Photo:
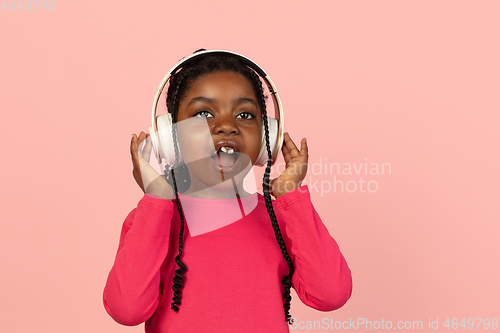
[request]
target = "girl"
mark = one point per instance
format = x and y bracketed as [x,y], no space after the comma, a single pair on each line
[236,278]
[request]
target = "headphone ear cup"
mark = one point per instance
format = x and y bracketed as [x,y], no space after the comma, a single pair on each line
[273,141]
[163,144]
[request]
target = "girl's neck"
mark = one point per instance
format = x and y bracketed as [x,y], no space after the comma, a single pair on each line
[229,191]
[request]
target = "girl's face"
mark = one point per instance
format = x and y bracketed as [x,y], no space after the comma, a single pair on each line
[226,102]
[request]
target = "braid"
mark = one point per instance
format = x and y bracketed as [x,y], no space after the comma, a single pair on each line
[179,273]
[286,281]
[179,84]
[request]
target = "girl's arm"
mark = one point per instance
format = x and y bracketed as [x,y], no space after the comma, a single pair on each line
[322,278]
[132,291]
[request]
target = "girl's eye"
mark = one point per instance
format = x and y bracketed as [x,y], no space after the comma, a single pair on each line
[206,113]
[247,115]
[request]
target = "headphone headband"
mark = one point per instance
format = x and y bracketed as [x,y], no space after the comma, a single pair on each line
[198,55]
[247,61]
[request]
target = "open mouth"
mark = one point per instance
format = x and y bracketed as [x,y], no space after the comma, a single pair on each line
[225,157]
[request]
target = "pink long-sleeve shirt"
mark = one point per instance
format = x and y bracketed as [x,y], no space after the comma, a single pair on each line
[233,278]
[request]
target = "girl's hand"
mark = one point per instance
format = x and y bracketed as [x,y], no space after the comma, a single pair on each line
[148,179]
[296,167]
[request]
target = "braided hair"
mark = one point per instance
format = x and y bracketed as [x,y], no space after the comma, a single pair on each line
[177,90]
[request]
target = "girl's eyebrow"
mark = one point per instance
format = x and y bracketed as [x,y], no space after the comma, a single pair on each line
[240,100]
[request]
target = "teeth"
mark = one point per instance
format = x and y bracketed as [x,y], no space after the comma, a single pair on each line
[227,150]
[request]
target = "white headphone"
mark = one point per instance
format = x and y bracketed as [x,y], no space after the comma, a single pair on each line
[163,144]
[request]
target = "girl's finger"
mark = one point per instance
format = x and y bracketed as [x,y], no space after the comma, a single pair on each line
[147,148]
[142,149]
[140,142]
[133,150]
[303,148]
[286,152]
[292,148]
[148,139]
[135,146]
[148,143]
[132,143]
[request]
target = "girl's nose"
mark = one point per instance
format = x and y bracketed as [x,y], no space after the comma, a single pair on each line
[225,124]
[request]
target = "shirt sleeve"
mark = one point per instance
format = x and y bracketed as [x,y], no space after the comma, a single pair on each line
[132,290]
[322,278]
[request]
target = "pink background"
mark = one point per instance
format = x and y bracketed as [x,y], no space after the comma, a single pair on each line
[410,83]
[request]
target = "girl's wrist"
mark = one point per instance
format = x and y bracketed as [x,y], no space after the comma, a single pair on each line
[167,195]
[287,188]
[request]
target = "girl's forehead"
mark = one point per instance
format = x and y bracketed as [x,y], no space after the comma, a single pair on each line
[222,79]
[220,87]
